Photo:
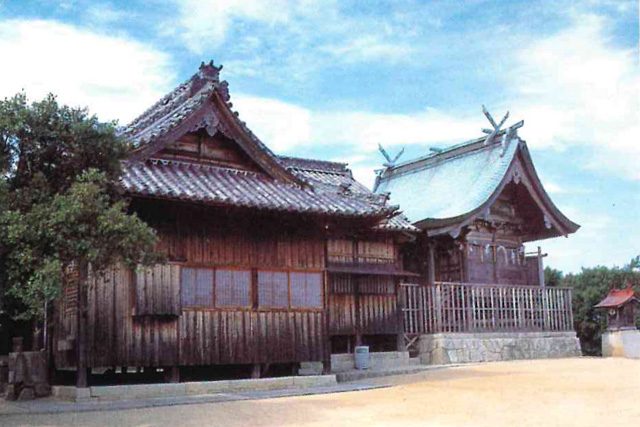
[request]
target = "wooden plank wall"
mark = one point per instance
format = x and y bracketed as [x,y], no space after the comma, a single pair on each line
[197,242]
[377,305]
[227,337]
[157,290]
[135,318]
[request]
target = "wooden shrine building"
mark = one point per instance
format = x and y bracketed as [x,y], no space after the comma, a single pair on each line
[476,204]
[271,260]
[277,260]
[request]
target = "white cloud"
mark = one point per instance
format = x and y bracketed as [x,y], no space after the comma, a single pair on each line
[369,47]
[577,88]
[278,124]
[285,126]
[206,22]
[117,78]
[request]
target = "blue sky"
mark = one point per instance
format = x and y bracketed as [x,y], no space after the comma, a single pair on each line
[332,79]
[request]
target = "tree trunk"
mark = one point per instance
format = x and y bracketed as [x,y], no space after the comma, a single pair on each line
[81,334]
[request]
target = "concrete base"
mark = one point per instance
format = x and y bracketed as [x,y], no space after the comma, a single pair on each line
[621,343]
[146,391]
[310,368]
[443,349]
[344,362]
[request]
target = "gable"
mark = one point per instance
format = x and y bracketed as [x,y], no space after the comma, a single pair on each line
[201,104]
[200,147]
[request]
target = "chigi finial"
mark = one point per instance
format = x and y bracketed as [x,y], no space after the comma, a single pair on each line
[390,162]
[496,127]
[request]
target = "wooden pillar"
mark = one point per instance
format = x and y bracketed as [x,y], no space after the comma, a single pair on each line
[356,293]
[255,370]
[540,268]
[400,304]
[327,312]
[465,262]
[431,264]
[172,374]
[81,330]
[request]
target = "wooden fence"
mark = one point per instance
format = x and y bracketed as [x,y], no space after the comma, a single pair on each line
[464,307]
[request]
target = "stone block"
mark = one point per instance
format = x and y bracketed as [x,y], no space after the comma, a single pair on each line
[138,391]
[207,387]
[311,368]
[315,381]
[621,343]
[261,384]
[480,347]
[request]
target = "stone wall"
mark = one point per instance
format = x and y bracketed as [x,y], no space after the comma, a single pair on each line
[442,349]
[623,342]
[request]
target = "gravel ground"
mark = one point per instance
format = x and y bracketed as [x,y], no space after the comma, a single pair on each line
[562,392]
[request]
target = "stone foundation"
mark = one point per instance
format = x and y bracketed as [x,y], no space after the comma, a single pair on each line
[344,362]
[621,343]
[443,349]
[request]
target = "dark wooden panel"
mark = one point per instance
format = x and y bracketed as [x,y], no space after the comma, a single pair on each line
[226,337]
[157,291]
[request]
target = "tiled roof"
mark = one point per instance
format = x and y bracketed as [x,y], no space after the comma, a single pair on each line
[324,173]
[617,297]
[171,110]
[338,177]
[284,183]
[223,186]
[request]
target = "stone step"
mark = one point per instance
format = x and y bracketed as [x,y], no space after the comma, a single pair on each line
[376,373]
[310,368]
[378,360]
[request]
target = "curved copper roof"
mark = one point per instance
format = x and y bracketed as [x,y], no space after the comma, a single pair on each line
[452,187]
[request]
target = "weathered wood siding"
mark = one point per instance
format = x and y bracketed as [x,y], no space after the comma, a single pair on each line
[375,308]
[227,337]
[135,318]
[157,291]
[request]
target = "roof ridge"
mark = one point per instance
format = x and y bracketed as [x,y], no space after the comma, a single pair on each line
[462,145]
[204,166]
[206,72]
[318,165]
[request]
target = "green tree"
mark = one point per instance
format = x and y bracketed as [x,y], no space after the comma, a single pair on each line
[589,287]
[553,277]
[61,207]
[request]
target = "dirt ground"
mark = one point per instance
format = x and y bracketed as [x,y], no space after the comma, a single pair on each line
[566,392]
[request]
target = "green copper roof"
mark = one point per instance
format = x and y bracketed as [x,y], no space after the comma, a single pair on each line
[448,184]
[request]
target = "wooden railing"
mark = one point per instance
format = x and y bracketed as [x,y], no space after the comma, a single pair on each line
[463,307]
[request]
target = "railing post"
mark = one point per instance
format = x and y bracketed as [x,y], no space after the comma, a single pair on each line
[438,306]
[545,310]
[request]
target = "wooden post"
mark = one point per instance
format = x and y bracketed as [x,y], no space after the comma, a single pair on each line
[172,374]
[81,331]
[540,268]
[356,293]
[255,370]
[431,264]
[400,304]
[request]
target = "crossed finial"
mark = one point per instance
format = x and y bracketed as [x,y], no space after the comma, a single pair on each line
[390,162]
[496,127]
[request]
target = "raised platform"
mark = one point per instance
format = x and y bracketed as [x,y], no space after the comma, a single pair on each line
[145,391]
[447,348]
[624,342]
[344,362]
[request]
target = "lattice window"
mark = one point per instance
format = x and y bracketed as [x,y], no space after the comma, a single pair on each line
[196,288]
[306,290]
[233,288]
[273,289]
